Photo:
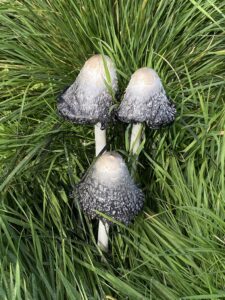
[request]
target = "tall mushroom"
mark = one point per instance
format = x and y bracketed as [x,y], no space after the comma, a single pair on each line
[108,188]
[145,100]
[88,101]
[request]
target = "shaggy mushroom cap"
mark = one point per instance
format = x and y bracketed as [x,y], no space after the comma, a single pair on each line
[108,188]
[145,100]
[87,100]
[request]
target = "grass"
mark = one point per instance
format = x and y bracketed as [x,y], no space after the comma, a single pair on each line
[175,248]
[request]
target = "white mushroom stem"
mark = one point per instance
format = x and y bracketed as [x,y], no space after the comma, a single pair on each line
[100,139]
[103,236]
[135,139]
[103,229]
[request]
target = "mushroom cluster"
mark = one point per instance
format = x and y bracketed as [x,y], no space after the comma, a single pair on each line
[107,188]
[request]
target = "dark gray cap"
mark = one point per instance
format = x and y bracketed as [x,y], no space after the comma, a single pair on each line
[109,189]
[88,100]
[145,100]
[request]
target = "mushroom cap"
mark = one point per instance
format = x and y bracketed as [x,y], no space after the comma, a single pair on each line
[108,188]
[145,100]
[88,100]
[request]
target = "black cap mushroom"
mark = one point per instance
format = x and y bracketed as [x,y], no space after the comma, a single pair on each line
[145,100]
[88,99]
[109,189]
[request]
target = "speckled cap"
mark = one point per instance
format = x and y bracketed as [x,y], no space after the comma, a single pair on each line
[145,100]
[87,100]
[109,189]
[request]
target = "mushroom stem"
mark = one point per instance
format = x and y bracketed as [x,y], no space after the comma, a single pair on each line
[100,139]
[135,139]
[103,229]
[103,236]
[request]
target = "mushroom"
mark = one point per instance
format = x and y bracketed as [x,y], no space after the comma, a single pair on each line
[88,101]
[145,100]
[108,188]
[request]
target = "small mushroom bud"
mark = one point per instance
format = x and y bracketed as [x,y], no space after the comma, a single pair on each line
[145,100]
[109,189]
[88,100]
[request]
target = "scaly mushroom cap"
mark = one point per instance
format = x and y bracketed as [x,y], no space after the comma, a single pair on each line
[87,100]
[109,189]
[145,100]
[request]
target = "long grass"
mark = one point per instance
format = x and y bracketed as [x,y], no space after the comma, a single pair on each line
[175,247]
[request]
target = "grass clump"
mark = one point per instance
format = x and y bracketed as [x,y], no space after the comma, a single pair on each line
[175,248]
